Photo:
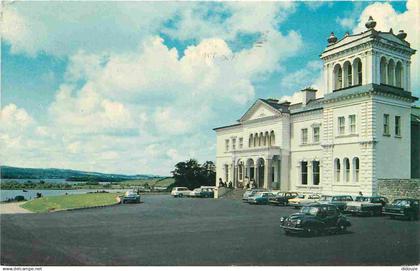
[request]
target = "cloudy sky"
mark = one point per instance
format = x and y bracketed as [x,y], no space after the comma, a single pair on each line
[134,87]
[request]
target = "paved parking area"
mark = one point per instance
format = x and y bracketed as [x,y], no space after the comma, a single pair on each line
[185,231]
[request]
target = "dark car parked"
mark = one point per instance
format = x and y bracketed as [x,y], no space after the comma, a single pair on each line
[314,219]
[366,205]
[339,201]
[130,197]
[282,198]
[405,208]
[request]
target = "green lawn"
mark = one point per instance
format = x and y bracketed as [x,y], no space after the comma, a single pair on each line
[45,204]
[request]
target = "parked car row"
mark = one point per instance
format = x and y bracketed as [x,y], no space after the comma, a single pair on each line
[201,192]
[361,205]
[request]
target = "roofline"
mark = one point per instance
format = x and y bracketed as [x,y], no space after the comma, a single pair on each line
[227,126]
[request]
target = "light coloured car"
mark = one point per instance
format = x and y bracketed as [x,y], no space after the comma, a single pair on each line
[195,193]
[250,192]
[304,199]
[260,198]
[179,192]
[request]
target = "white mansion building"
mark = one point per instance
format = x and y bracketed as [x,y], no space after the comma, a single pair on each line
[357,133]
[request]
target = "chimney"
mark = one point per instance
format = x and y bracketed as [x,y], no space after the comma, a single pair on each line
[307,95]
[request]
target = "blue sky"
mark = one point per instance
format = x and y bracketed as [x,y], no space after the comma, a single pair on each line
[134,87]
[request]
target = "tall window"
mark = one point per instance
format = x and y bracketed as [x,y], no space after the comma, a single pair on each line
[316,134]
[233,143]
[341,125]
[251,141]
[346,169]
[338,77]
[397,125]
[304,136]
[386,124]
[348,74]
[241,142]
[398,74]
[337,168]
[383,70]
[240,171]
[358,75]
[227,144]
[255,140]
[315,172]
[304,171]
[356,169]
[352,119]
[391,72]
[226,173]
[272,139]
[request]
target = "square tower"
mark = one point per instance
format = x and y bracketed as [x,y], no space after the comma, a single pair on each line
[368,57]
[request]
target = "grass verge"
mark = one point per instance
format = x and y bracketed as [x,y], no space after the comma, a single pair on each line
[62,202]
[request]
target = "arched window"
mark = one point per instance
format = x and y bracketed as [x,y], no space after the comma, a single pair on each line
[337,169]
[272,139]
[260,139]
[398,75]
[383,70]
[357,71]
[391,72]
[266,139]
[251,141]
[348,75]
[355,169]
[346,169]
[338,77]
[255,140]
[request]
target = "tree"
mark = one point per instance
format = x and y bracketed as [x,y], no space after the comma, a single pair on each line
[192,175]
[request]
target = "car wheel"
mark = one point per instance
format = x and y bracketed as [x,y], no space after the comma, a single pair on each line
[342,228]
[287,232]
[312,231]
[180,195]
[371,213]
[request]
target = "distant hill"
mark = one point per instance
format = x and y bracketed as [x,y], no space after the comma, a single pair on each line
[7,172]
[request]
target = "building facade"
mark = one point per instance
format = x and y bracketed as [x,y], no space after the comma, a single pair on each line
[357,133]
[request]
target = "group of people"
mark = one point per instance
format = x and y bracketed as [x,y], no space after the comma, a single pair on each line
[248,183]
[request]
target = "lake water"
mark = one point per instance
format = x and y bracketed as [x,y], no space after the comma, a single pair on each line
[31,194]
[45,180]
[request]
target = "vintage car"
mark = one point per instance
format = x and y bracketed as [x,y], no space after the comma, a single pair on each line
[202,192]
[250,192]
[314,219]
[179,192]
[302,200]
[260,198]
[282,198]
[339,201]
[130,197]
[366,205]
[405,208]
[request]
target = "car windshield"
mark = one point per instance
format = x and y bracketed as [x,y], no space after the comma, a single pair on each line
[362,199]
[326,198]
[401,202]
[309,210]
[258,194]
[281,194]
[301,196]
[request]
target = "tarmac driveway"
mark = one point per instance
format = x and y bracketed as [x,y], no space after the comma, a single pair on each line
[184,231]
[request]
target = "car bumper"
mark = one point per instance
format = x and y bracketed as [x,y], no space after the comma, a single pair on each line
[292,229]
[394,214]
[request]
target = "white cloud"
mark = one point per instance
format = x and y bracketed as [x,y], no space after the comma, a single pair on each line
[132,104]
[13,118]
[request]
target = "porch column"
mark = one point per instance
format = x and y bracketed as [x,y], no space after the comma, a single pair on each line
[256,174]
[267,173]
[285,184]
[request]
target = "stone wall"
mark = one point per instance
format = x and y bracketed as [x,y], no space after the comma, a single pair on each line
[399,188]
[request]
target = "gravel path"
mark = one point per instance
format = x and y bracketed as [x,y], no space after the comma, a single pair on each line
[13,208]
